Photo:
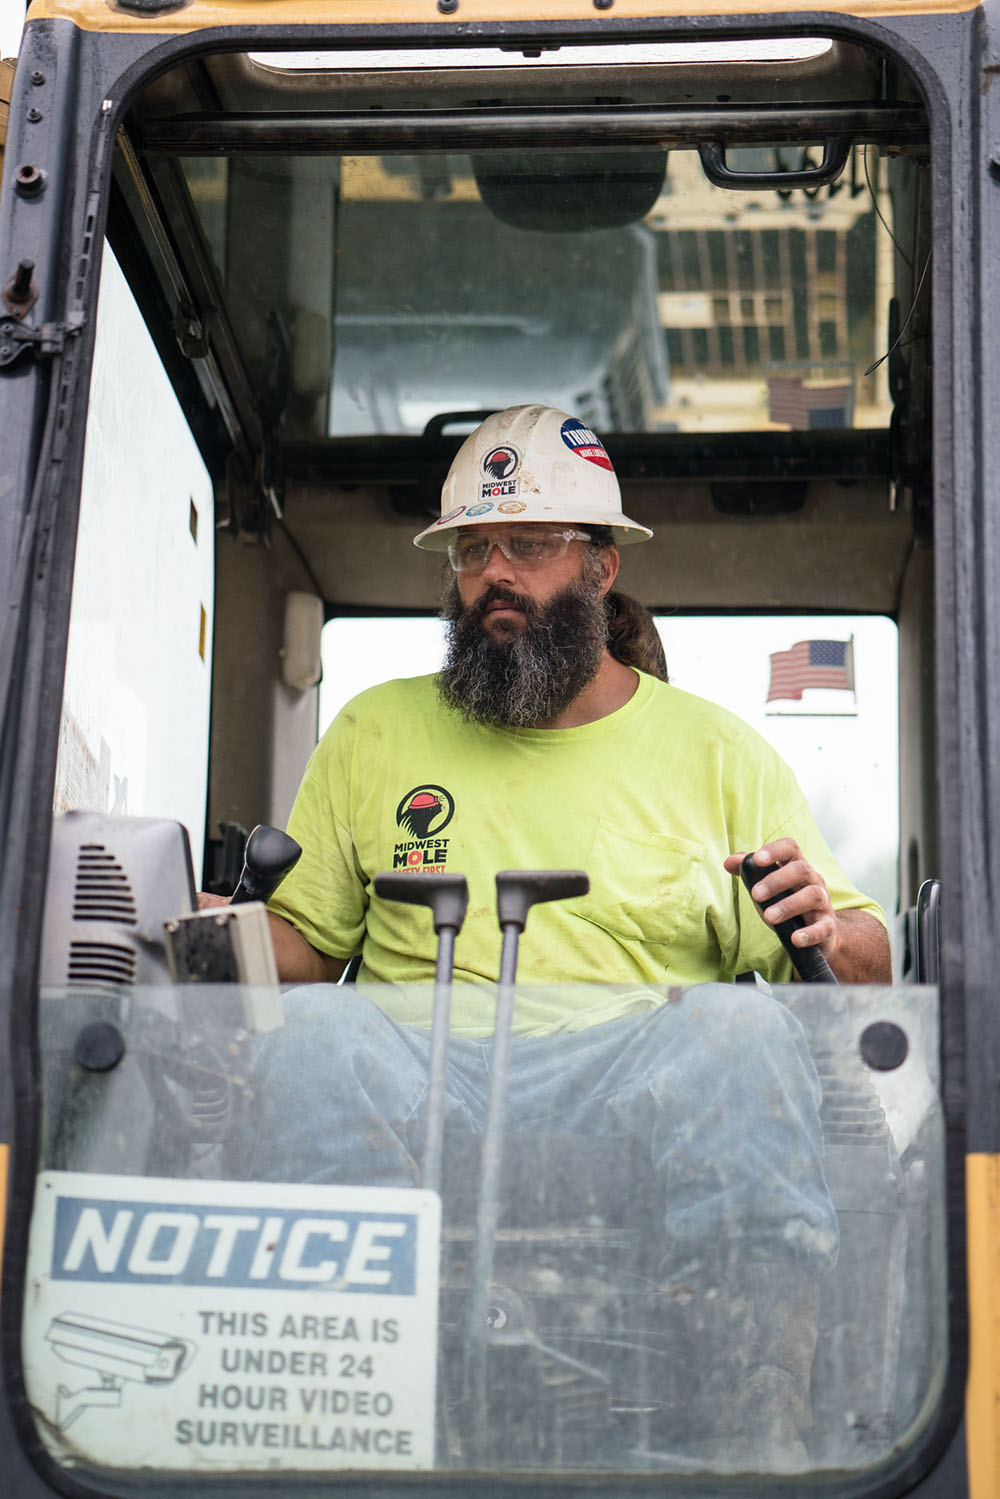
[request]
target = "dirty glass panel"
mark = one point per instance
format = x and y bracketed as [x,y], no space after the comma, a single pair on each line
[373,294]
[145,555]
[773,303]
[232,1276]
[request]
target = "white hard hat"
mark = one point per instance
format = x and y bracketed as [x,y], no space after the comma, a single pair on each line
[531,463]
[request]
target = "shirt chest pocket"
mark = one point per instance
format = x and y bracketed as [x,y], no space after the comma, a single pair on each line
[642,885]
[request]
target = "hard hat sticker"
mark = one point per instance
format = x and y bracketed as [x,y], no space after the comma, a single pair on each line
[501,463]
[452,515]
[584,443]
[512,507]
[496,490]
[499,467]
[483,509]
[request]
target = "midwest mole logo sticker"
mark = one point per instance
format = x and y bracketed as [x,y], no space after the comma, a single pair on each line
[424,813]
[500,463]
[499,467]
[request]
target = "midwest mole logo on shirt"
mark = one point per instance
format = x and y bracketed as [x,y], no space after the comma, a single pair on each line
[424,813]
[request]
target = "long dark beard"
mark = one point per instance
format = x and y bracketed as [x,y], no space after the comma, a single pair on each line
[529,676]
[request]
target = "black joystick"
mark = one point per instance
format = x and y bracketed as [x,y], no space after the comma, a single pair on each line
[268,857]
[810,964]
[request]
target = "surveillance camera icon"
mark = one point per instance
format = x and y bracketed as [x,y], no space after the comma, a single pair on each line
[116,1353]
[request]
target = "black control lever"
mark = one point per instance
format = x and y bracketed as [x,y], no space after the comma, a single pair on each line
[809,962]
[517,891]
[448,897]
[520,889]
[268,857]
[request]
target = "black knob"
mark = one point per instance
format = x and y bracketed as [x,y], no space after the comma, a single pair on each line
[269,855]
[520,889]
[99,1046]
[810,964]
[446,894]
[884,1045]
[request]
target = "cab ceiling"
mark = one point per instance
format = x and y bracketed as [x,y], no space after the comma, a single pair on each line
[238,82]
[843,549]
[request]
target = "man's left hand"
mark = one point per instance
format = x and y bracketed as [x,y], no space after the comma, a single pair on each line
[854,943]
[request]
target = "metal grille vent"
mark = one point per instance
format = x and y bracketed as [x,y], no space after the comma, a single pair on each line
[850,1110]
[97,964]
[103,891]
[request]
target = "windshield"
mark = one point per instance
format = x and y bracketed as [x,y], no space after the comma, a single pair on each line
[210,1297]
[380,294]
[486,1227]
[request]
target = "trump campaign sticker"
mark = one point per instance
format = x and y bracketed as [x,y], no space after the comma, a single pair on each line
[584,443]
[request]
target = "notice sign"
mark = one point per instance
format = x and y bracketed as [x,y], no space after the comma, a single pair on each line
[225,1326]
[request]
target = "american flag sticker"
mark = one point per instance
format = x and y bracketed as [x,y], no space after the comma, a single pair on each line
[811,663]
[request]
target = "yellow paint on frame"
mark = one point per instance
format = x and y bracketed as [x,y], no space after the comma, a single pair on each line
[104,15]
[982,1404]
[6,85]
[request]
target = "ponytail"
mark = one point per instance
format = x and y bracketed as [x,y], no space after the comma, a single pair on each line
[633,638]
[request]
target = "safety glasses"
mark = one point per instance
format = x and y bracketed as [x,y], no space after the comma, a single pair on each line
[528,548]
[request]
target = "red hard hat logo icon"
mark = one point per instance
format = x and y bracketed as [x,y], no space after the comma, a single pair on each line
[425,811]
[500,463]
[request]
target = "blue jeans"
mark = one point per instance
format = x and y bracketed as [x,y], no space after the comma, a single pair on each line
[718,1085]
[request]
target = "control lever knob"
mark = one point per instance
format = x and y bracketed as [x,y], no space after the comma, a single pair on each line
[520,889]
[809,962]
[268,857]
[446,894]
[448,897]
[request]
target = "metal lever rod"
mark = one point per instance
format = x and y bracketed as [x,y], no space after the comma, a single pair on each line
[517,891]
[269,855]
[448,897]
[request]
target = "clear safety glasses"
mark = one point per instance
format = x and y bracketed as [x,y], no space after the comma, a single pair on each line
[527,548]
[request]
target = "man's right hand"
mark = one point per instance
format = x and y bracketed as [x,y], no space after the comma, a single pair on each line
[854,943]
[206,901]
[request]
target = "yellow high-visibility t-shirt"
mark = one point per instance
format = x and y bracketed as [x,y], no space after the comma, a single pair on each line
[648,800]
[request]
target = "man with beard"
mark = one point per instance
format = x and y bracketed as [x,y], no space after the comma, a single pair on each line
[537,747]
[540,745]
